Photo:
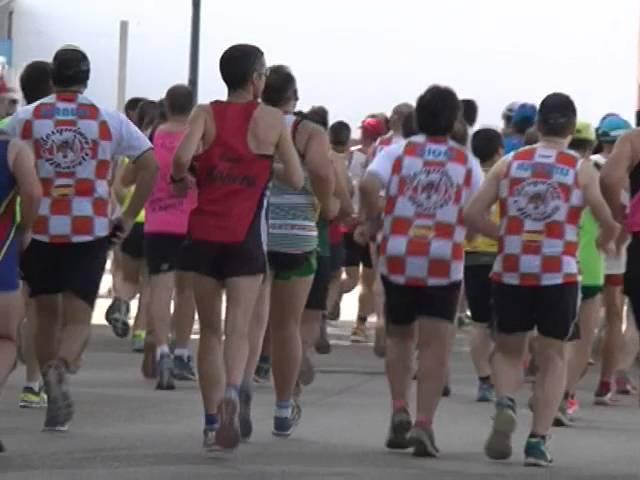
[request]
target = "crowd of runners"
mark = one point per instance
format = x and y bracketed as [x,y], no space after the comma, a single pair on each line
[527,229]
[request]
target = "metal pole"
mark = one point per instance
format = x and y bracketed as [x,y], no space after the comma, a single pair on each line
[122,64]
[194,55]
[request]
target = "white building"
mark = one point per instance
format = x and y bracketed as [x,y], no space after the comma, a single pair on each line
[356,57]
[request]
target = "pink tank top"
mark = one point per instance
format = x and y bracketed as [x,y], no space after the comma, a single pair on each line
[166,213]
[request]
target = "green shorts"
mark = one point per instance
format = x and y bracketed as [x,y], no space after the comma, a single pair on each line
[287,266]
[590,291]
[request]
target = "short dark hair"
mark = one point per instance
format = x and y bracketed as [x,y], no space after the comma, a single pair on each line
[340,134]
[409,128]
[132,105]
[147,114]
[437,110]
[486,143]
[238,64]
[280,87]
[469,111]
[318,115]
[179,100]
[70,67]
[557,116]
[35,81]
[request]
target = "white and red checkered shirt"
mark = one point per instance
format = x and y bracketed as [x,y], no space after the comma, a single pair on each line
[541,204]
[75,143]
[428,182]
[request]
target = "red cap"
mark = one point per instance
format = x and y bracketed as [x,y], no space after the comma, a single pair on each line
[373,128]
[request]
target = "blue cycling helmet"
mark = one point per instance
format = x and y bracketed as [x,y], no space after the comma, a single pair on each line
[611,128]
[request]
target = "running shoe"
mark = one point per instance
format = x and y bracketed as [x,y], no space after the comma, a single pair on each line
[165,373]
[283,427]
[379,342]
[498,445]
[397,439]
[604,395]
[359,334]
[423,442]
[562,416]
[446,391]
[536,454]
[117,316]
[262,373]
[307,373]
[573,406]
[31,398]
[183,368]
[322,345]
[244,415]
[59,403]
[228,434]
[486,393]
[624,385]
[137,341]
[209,440]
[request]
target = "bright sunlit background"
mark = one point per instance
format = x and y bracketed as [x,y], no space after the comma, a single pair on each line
[357,56]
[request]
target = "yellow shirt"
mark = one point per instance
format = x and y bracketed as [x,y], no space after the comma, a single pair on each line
[484,244]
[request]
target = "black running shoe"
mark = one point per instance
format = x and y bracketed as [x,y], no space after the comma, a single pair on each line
[59,403]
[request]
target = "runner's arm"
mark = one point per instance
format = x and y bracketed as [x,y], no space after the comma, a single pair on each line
[609,228]
[190,143]
[477,212]
[615,173]
[292,174]
[23,167]
[321,172]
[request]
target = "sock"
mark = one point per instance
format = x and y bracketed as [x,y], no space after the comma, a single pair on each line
[182,352]
[486,379]
[33,385]
[162,349]
[399,405]
[362,320]
[265,360]
[211,421]
[537,436]
[283,409]
[232,391]
[423,422]
[507,401]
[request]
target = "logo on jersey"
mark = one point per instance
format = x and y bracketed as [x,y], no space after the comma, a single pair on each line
[430,189]
[538,200]
[65,148]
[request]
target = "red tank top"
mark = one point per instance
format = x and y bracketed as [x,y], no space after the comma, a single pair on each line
[231,179]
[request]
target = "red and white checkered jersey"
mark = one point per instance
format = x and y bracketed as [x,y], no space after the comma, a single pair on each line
[541,204]
[428,182]
[75,143]
[382,143]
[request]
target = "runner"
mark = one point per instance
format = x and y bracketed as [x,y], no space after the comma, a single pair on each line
[610,129]
[358,263]
[542,190]
[239,138]
[487,146]
[507,118]
[35,83]
[293,243]
[64,263]
[591,265]
[621,170]
[421,258]
[524,117]
[17,178]
[165,231]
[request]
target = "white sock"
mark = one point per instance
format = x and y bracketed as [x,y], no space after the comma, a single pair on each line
[161,350]
[182,352]
[34,385]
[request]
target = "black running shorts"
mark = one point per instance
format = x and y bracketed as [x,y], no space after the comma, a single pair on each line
[53,268]
[319,292]
[356,254]
[163,252]
[133,244]
[404,305]
[478,289]
[551,309]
